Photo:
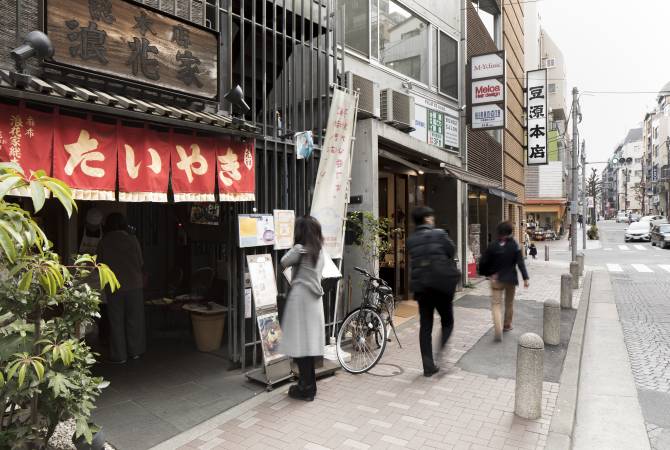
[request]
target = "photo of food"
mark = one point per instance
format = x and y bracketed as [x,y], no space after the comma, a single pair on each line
[270,331]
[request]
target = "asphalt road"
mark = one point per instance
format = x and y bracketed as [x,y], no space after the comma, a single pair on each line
[640,276]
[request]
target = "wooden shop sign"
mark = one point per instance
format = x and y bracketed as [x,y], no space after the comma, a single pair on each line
[128,40]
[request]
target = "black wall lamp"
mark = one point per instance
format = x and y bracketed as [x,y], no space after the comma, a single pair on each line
[35,44]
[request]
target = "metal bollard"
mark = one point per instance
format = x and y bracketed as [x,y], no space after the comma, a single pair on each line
[566,291]
[551,328]
[529,376]
[574,271]
[546,252]
[580,261]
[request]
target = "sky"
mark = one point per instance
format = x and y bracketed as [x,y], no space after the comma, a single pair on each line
[610,46]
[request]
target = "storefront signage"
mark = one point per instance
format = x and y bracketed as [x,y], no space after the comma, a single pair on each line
[331,190]
[256,230]
[128,40]
[420,125]
[263,282]
[536,113]
[488,117]
[424,110]
[284,226]
[487,91]
[451,130]
[436,128]
[93,158]
[489,65]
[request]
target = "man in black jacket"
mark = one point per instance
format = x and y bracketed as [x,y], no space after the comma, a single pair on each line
[499,263]
[434,280]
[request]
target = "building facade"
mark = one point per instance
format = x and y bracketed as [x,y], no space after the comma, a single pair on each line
[656,141]
[625,190]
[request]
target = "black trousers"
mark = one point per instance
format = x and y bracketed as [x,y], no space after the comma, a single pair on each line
[429,301]
[307,379]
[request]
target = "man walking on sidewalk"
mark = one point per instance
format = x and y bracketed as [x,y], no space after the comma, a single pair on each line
[499,263]
[434,280]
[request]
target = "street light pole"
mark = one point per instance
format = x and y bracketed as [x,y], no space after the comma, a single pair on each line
[573,170]
[584,208]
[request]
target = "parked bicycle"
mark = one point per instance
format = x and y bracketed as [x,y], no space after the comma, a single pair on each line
[362,338]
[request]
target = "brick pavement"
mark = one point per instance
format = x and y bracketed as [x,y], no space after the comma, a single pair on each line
[394,406]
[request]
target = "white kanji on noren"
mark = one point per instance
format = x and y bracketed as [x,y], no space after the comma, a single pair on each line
[156,163]
[195,163]
[229,168]
[82,153]
[132,168]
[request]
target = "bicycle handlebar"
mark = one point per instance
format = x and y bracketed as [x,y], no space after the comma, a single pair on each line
[367,274]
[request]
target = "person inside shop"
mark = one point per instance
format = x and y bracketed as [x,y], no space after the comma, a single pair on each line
[121,251]
[303,324]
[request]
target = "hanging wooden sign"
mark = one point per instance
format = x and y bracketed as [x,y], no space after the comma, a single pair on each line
[128,40]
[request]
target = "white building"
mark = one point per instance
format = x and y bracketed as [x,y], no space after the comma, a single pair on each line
[628,172]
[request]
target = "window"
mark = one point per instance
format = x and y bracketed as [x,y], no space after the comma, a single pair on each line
[550,63]
[403,40]
[551,88]
[357,25]
[448,65]
[487,12]
[638,160]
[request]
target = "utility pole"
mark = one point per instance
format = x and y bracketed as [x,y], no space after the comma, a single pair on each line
[573,170]
[584,207]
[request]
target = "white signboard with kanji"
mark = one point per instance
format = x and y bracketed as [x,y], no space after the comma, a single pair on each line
[536,111]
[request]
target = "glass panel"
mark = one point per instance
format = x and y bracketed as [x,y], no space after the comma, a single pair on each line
[374,32]
[435,62]
[448,65]
[357,23]
[403,41]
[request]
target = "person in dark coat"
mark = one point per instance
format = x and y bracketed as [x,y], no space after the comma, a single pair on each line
[303,325]
[533,251]
[499,263]
[433,280]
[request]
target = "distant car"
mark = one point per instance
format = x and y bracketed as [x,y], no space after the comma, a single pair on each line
[660,235]
[650,218]
[539,235]
[638,231]
[622,217]
[659,221]
[634,217]
[550,235]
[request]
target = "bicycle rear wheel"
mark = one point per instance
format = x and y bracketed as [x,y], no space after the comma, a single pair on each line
[361,340]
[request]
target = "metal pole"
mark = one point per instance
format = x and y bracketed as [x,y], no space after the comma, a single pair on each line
[463,143]
[584,209]
[573,170]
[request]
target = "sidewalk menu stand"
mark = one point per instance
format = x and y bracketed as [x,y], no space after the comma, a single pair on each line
[276,367]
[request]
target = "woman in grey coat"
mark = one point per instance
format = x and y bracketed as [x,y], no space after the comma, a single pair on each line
[303,327]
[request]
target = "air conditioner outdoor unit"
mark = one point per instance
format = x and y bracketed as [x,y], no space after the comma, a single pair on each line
[397,109]
[368,94]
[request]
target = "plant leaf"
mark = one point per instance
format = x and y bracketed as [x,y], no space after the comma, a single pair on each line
[8,183]
[62,193]
[22,374]
[7,244]
[37,195]
[39,369]
[26,280]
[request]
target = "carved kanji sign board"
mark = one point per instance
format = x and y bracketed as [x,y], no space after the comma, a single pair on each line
[128,40]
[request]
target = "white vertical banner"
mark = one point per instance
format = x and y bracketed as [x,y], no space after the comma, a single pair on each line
[536,111]
[331,190]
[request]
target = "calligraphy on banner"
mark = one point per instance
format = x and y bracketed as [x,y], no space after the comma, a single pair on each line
[144,165]
[235,169]
[26,138]
[193,168]
[536,104]
[331,190]
[128,40]
[85,157]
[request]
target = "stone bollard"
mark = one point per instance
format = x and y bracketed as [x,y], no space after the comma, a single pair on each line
[529,376]
[546,252]
[580,261]
[551,328]
[574,271]
[566,291]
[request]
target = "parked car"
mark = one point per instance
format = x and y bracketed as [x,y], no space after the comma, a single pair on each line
[650,218]
[638,231]
[538,235]
[622,217]
[634,217]
[660,235]
[659,221]
[550,235]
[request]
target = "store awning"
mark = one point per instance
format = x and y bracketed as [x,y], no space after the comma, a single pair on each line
[471,178]
[507,195]
[101,102]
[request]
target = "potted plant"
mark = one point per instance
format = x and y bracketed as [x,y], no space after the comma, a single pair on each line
[45,366]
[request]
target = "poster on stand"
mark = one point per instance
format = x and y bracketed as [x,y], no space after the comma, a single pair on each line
[284,226]
[270,333]
[263,283]
[256,230]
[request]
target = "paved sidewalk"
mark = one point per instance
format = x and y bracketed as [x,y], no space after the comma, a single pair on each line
[395,406]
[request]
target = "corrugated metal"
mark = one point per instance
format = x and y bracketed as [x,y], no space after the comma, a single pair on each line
[551,180]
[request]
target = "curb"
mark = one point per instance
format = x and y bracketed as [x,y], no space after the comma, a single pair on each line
[563,421]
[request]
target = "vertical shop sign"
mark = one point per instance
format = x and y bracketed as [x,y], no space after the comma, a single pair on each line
[487,91]
[435,128]
[26,138]
[450,131]
[331,190]
[536,112]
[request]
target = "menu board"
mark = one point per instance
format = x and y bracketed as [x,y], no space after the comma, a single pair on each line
[284,225]
[270,332]
[263,283]
[256,230]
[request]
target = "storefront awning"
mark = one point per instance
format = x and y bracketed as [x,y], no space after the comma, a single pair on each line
[98,101]
[471,178]
[507,195]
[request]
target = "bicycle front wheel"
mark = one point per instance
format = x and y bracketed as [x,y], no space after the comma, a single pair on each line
[361,340]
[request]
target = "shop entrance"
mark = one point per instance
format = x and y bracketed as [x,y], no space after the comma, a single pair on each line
[398,194]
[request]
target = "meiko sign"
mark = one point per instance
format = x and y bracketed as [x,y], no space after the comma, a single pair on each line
[487,91]
[489,65]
